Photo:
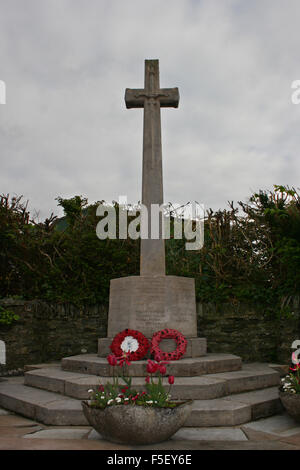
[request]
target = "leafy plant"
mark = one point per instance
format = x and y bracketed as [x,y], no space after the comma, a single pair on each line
[7,317]
[251,253]
[117,393]
[291,382]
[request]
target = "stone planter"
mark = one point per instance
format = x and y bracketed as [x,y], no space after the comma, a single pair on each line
[291,403]
[133,424]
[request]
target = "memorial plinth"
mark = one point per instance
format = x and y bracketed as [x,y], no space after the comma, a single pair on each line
[150,304]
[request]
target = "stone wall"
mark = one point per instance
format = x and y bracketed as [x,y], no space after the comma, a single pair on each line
[48,332]
[251,333]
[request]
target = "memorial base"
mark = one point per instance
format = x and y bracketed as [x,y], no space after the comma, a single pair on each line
[152,303]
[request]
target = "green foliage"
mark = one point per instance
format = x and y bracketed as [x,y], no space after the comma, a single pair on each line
[251,253]
[7,317]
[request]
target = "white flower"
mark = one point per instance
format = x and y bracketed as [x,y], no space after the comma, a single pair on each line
[150,401]
[118,399]
[90,390]
[102,397]
[129,344]
[126,399]
[110,401]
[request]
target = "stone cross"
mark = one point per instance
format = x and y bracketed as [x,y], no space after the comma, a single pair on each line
[152,98]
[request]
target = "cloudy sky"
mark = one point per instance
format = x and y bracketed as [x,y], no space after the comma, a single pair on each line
[65,130]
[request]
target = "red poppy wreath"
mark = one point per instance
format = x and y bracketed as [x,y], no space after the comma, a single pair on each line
[168,333]
[131,342]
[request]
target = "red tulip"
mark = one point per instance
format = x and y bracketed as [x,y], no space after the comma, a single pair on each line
[162,369]
[147,379]
[171,379]
[157,357]
[112,360]
[151,367]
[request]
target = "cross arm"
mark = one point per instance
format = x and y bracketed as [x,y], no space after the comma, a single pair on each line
[168,97]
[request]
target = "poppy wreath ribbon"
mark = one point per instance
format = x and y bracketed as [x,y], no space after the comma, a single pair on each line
[131,342]
[168,333]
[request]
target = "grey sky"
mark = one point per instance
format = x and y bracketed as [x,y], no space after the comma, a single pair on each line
[65,129]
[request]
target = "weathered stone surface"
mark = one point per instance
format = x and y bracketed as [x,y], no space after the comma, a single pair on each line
[203,387]
[137,424]
[63,330]
[75,386]
[55,409]
[218,412]
[40,405]
[152,303]
[248,331]
[46,332]
[263,402]
[151,98]
[53,379]
[209,434]
[196,347]
[282,369]
[281,425]
[291,403]
[250,377]
[211,363]
[29,367]
[70,433]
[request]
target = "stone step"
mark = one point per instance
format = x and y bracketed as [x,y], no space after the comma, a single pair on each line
[40,405]
[235,409]
[91,364]
[55,409]
[204,387]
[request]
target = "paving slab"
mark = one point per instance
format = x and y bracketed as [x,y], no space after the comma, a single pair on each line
[281,425]
[253,435]
[19,443]
[210,434]
[18,431]
[196,434]
[66,433]
[13,420]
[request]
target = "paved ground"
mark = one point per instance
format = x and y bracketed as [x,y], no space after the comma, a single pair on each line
[276,433]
